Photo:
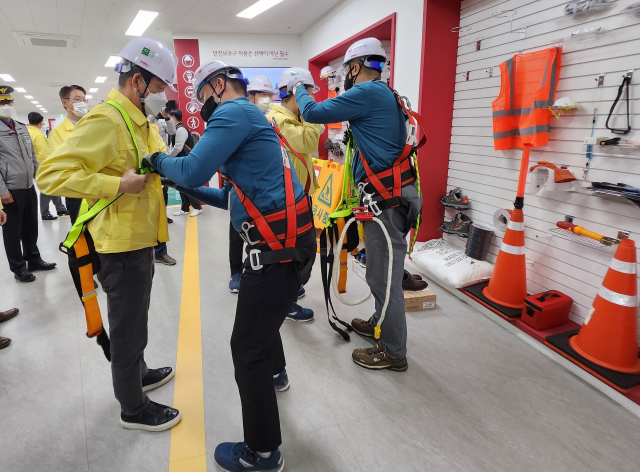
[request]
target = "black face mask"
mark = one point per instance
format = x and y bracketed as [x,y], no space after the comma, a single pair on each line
[350,79]
[208,108]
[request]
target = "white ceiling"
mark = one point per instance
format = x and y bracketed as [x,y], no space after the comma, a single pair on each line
[101,25]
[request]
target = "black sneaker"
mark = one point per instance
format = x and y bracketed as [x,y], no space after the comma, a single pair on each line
[157,378]
[49,217]
[455,199]
[458,225]
[41,265]
[64,212]
[155,417]
[169,220]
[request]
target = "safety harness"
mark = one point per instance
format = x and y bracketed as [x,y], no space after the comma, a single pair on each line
[278,229]
[83,258]
[379,191]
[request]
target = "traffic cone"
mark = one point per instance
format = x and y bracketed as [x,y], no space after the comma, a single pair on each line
[609,335]
[508,283]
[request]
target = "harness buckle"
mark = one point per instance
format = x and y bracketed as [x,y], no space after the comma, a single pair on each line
[254,259]
[362,214]
[374,207]
[246,227]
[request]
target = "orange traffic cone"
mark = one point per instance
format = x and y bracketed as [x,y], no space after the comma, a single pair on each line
[609,335]
[508,284]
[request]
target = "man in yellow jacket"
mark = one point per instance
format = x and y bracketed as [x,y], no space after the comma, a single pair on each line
[100,160]
[74,102]
[303,137]
[42,148]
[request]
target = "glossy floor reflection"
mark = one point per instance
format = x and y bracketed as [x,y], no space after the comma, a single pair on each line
[475,397]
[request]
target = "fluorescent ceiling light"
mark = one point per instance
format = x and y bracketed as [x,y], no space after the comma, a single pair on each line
[88,97]
[93,90]
[6,78]
[20,89]
[34,102]
[112,61]
[257,8]
[100,79]
[45,111]
[28,97]
[141,22]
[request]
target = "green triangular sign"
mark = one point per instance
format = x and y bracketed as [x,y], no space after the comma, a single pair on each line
[326,192]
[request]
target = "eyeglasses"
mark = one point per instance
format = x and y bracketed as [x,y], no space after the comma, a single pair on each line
[77,100]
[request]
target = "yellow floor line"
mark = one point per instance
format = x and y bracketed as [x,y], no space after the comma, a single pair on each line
[188,448]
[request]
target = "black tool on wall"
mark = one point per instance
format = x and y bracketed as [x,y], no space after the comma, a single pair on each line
[625,81]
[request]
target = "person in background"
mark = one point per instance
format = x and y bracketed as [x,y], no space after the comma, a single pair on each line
[160,250]
[303,137]
[380,134]
[5,315]
[161,126]
[74,102]
[42,148]
[99,161]
[18,167]
[260,92]
[181,144]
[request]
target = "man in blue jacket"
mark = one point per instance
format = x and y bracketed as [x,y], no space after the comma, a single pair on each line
[241,143]
[379,130]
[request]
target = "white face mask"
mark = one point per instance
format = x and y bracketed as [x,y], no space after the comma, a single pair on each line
[80,109]
[154,102]
[263,104]
[6,111]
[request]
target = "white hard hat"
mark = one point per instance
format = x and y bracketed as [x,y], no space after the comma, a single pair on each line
[365,49]
[262,83]
[566,103]
[152,55]
[327,71]
[211,69]
[292,76]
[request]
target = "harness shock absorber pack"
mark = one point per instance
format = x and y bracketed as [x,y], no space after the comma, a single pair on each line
[83,258]
[379,191]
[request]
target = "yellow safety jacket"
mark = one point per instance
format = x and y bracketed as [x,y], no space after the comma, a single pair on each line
[60,133]
[40,143]
[303,137]
[89,165]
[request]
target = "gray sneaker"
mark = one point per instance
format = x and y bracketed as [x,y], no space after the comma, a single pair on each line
[455,199]
[458,225]
[166,260]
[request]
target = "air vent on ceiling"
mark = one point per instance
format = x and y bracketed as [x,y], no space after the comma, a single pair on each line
[47,40]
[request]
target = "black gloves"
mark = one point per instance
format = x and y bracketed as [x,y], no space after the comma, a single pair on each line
[167,182]
[147,163]
[348,136]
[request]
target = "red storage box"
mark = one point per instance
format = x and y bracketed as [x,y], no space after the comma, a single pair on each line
[546,310]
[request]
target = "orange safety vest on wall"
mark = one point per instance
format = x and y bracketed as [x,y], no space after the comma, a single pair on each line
[521,114]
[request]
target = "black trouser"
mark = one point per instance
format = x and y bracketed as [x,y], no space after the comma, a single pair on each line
[265,297]
[73,207]
[236,244]
[20,232]
[45,201]
[161,248]
[126,278]
[188,201]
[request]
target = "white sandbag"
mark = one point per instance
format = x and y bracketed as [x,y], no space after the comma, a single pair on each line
[449,264]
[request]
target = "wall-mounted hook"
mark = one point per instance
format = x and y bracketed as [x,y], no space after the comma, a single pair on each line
[490,71]
[629,74]
[462,29]
[506,14]
[600,79]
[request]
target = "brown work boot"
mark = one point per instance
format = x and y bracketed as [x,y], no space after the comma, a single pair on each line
[362,327]
[377,358]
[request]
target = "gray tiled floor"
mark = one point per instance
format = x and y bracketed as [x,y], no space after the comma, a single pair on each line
[475,397]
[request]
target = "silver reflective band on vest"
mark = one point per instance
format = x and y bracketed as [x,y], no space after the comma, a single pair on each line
[537,105]
[515,250]
[512,225]
[618,298]
[522,132]
[623,267]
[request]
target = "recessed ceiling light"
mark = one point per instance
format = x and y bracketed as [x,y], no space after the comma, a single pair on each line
[28,97]
[257,8]
[100,80]
[88,96]
[112,61]
[34,102]
[6,78]
[20,89]
[45,111]
[141,22]
[93,90]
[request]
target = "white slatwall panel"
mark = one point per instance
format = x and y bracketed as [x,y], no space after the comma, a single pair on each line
[490,177]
